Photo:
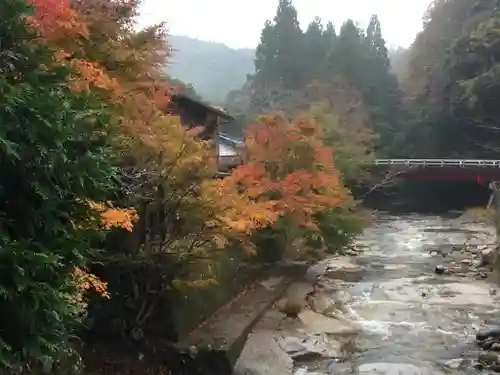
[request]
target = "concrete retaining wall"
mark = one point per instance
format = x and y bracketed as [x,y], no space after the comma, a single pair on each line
[495,203]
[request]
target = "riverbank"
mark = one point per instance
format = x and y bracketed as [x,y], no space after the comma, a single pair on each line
[387,311]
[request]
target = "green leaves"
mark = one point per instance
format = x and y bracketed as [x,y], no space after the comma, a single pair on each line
[54,155]
[453,81]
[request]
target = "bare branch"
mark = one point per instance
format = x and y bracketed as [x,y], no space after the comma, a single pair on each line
[388,178]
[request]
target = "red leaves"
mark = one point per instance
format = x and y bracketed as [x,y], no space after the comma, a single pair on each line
[48,10]
[288,165]
[57,20]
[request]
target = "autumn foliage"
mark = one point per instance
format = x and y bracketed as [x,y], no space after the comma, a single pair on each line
[289,171]
[133,207]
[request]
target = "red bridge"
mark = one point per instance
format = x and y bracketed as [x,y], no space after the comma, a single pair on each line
[481,171]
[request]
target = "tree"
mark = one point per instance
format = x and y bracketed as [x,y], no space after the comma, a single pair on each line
[349,57]
[278,57]
[315,48]
[166,173]
[330,34]
[376,42]
[362,59]
[288,168]
[55,156]
[338,107]
[456,46]
[163,167]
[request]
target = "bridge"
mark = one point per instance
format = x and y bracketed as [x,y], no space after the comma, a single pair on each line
[479,170]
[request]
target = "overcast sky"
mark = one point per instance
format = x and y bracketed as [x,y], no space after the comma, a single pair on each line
[238,23]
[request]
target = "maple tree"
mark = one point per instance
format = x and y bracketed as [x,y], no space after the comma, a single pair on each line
[291,172]
[170,163]
[166,171]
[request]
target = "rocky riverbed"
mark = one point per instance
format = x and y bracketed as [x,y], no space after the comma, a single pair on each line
[410,303]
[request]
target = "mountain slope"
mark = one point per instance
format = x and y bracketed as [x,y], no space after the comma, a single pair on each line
[213,69]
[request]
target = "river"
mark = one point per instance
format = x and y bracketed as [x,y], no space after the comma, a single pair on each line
[408,320]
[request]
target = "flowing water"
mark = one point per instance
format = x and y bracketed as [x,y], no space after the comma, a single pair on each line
[413,321]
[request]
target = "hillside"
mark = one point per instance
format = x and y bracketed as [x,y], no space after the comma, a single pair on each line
[212,68]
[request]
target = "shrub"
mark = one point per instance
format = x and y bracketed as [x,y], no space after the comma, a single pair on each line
[53,159]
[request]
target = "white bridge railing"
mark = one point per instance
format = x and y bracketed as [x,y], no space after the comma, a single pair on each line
[439,162]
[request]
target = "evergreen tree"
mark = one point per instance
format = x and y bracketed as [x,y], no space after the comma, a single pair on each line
[286,59]
[266,64]
[452,81]
[377,43]
[383,87]
[349,56]
[279,58]
[53,159]
[315,49]
[330,33]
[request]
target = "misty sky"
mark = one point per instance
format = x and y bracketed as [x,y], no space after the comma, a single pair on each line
[238,23]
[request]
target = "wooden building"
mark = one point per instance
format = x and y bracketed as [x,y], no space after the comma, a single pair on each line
[194,113]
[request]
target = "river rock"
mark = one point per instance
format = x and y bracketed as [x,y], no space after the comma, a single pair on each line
[314,323]
[331,303]
[495,368]
[440,269]
[394,369]
[262,355]
[489,358]
[488,343]
[327,285]
[343,270]
[477,263]
[488,257]
[486,333]
[321,303]
[457,363]
[482,275]
[304,371]
[351,252]
[340,267]
[310,348]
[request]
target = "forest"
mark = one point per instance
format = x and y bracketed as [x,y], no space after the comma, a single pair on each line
[441,104]
[109,206]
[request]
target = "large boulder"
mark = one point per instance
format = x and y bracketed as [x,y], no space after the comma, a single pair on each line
[263,355]
[310,348]
[488,256]
[341,268]
[314,323]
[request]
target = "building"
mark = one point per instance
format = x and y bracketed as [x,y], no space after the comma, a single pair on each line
[230,150]
[194,113]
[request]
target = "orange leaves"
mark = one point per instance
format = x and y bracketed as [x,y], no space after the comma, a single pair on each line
[87,281]
[115,217]
[57,20]
[91,75]
[241,212]
[289,173]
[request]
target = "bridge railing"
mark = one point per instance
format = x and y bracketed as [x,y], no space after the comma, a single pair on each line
[439,162]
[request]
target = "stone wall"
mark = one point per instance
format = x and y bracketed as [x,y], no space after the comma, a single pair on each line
[146,307]
[191,306]
[495,203]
